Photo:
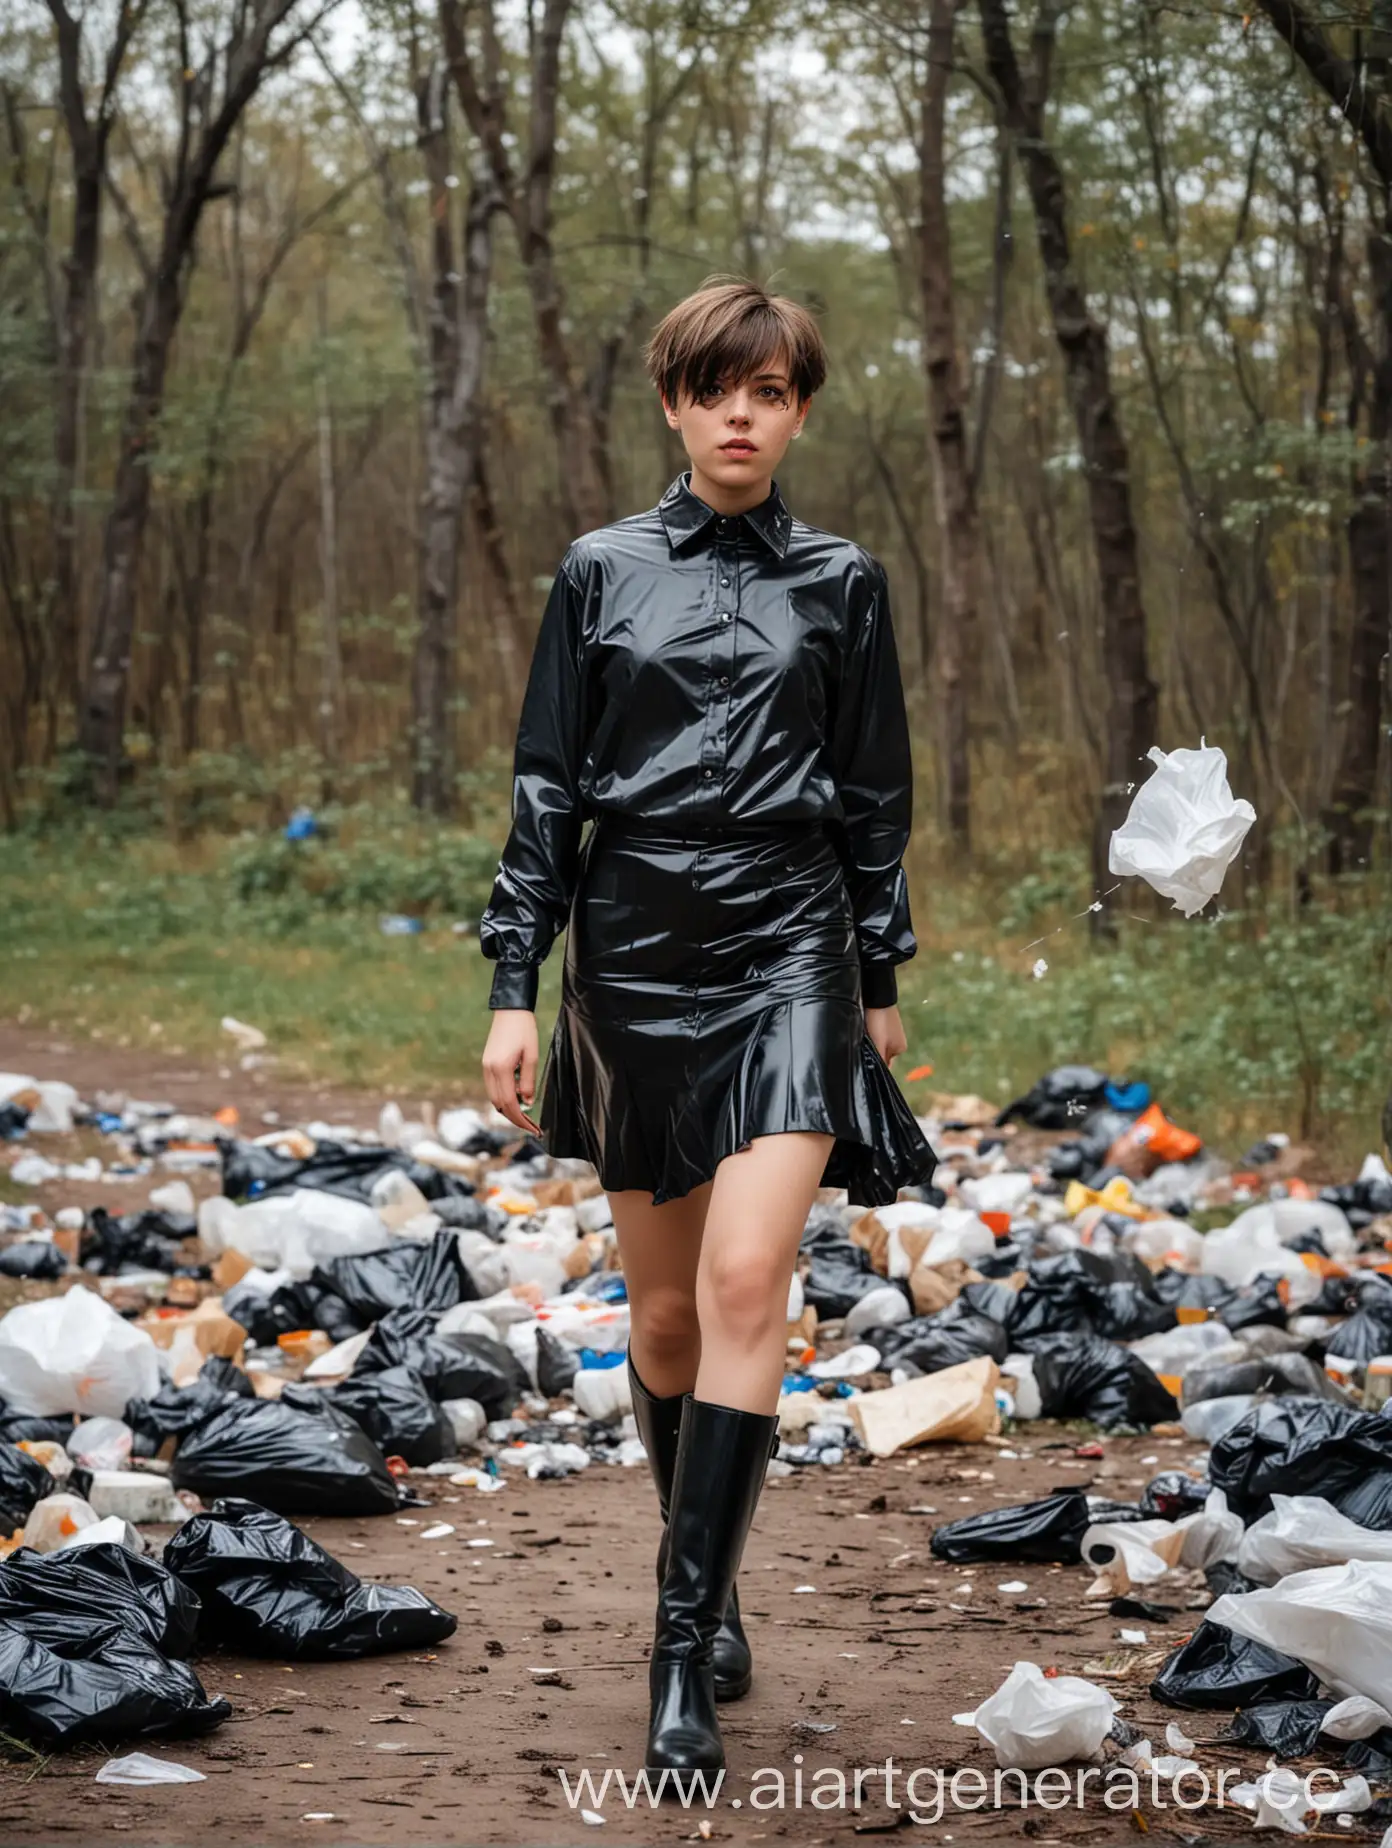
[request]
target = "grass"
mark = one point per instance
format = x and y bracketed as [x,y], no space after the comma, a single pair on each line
[1246,1023]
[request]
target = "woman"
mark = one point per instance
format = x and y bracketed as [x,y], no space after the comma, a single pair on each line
[716,684]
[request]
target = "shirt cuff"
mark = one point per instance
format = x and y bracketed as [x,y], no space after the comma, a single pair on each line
[879,986]
[515,985]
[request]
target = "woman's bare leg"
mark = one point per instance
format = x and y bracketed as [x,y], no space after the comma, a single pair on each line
[758,1208]
[660,1247]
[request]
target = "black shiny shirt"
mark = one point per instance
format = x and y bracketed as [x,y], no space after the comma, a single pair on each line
[709,670]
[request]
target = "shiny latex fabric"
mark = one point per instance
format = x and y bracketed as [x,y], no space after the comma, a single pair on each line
[722,698]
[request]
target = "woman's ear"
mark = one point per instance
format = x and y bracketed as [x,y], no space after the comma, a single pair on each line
[802,416]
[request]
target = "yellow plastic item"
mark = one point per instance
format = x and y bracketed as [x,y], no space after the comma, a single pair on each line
[1115,1197]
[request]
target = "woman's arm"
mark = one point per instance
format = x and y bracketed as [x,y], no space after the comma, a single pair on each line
[874,771]
[532,894]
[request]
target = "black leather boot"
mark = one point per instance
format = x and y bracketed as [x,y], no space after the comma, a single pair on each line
[722,1457]
[659,1424]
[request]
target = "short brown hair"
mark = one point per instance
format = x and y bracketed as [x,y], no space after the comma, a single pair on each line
[729,330]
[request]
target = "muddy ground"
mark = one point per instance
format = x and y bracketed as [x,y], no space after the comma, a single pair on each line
[467,1744]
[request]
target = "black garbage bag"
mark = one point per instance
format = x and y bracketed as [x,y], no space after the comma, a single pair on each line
[66,1678]
[1088,1293]
[103,1578]
[268,1589]
[249,1172]
[1083,1376]
[22,1428]
[1366,1330]
[1059,1098]
[1047,1532]
[1287,1728]
[1307,1447]
[1258,1305]
[1361,1201]
[148,1240]
[838,1277]
[463,1213]
[33,1257]
[996,1300]
[557,1365]
[175,1410]
[1373,1757]
[1173,1494]
[23,1481]
[14,1120]
[293,1306]
[1276,1375]
[928,1343]
[1217,1668]
[394,1409]
[400,1276]
[824,1229]
[452,1366]
[1182,1291]
[1222,1576]
[295,1461]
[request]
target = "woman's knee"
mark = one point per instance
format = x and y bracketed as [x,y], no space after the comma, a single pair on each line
[748,1289]
[666,1322]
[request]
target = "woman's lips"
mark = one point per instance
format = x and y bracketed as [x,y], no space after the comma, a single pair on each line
[737,449]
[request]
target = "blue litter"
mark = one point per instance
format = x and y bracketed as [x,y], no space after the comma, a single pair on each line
[1127,1096]
[301,825]
[610,1290]
[108,1122]
[397,926]
[797,1382]
[591,1357]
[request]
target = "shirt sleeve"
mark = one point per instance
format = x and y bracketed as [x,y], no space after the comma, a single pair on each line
[531,897]
[874,771]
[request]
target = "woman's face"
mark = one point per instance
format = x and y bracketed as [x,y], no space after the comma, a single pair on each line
[736,434]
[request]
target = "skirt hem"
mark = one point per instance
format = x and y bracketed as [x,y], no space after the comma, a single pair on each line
[879,1147]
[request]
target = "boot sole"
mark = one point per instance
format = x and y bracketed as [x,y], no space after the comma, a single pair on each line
[734,1690]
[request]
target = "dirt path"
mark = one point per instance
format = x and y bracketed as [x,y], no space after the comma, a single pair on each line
[466,1745]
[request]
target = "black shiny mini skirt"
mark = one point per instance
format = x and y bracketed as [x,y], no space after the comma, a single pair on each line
[711,994]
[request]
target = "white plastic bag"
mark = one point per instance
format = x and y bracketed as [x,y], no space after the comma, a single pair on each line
[74,1353]
[140,1769]
[1336,1619]
[1185,829]
[1032,1721]
[101,1443]
[296,1230]
[1302,1533]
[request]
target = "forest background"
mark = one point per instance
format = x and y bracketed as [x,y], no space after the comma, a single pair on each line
[320,337]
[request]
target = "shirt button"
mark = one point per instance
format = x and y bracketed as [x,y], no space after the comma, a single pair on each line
[725,580]
[724,680]
[724,615]
[708,774]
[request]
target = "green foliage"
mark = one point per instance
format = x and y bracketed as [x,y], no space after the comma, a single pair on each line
[421,872]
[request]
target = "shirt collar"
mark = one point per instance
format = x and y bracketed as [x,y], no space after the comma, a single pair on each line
[685,514]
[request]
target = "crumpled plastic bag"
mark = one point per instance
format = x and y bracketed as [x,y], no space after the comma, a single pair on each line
[102,1578]
[23,1482]
[33,1257]
[1307,1446]
[1335,1619]
[268,1589]
[74,1353]
[927,1344]
[1304,1532]
[175,1410]
[1217,1668]
[139,1770]
[394,1409]
[87,1641]
[400,1276]
[1033,1720]
[452,1366]
[1060,1099]
[1285,1728]
[1184,829]
[297,1462]
[1049,1531]
[1084,1376]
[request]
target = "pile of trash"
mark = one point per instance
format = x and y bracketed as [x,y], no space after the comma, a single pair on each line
[349,1311]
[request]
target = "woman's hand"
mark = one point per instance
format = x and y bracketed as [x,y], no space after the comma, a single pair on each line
[510,1064]
[887,1032]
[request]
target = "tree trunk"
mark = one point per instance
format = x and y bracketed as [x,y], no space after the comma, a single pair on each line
[104,701]
[1132,696]
[959,540]
[458,343]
